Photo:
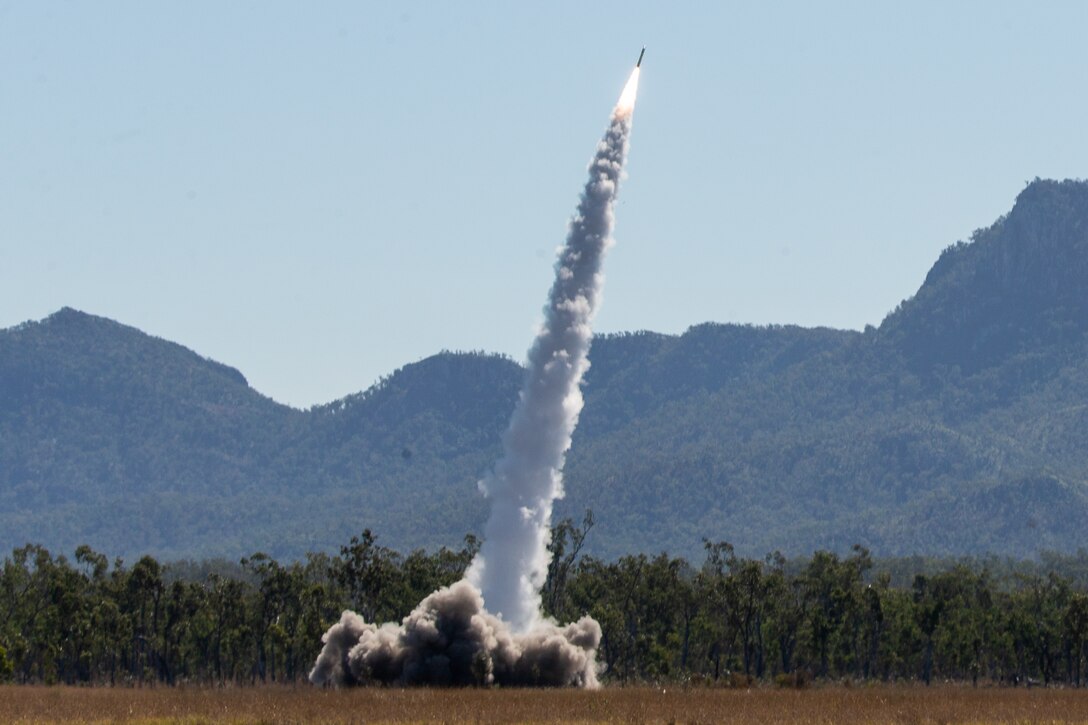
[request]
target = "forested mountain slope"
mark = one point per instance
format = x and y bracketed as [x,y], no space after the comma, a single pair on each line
[958,425]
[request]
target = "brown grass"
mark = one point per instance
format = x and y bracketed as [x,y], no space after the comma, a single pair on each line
[836,704]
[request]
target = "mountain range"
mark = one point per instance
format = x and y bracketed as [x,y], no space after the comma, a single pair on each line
[959,425]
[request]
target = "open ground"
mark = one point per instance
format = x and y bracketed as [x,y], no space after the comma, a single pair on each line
[302,704]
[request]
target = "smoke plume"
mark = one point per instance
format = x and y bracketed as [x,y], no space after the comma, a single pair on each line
[450,638]
[513,562]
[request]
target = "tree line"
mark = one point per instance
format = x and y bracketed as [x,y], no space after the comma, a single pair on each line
[727,620]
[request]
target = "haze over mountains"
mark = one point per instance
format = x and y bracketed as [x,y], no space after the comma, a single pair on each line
[957,426]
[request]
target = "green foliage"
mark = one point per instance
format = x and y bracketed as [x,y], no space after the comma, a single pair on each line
[89,622]
[732,620]
[736,620]
[7,667]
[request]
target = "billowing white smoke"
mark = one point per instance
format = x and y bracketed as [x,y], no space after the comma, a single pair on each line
[450,639]
[513,562]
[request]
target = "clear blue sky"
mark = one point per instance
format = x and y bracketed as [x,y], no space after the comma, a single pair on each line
[318,193]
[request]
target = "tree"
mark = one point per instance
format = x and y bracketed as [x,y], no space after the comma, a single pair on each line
[368,572]
[566,544]
[1075,624]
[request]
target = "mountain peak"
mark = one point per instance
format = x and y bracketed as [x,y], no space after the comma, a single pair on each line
[68,313]
[1020,284]
[77,346]
[1047,191]
[71,319]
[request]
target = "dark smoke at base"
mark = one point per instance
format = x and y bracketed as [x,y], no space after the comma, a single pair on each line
[451,640]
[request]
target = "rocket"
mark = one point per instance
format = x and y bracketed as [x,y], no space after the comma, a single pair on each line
[640,57]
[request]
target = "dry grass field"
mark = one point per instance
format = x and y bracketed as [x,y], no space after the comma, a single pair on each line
[834,704]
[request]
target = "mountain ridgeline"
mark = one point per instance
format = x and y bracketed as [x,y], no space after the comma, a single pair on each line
[960,425]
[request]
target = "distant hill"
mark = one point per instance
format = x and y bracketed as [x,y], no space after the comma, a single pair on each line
[960,425]
[1019,287]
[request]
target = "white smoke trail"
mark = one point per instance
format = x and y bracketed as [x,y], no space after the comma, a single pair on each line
[512,564]
[450,638]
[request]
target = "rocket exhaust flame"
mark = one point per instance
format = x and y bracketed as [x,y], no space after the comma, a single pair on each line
[626,104]
[488,628]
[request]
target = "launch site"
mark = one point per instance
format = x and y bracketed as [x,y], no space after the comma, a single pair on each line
[605,363]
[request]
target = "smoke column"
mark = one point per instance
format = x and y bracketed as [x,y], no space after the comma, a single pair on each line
[451,637]
[513,562]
